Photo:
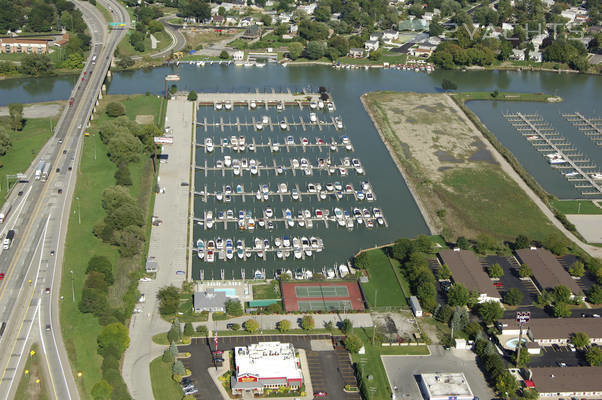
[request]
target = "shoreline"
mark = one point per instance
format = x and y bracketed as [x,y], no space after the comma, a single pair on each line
[423,211]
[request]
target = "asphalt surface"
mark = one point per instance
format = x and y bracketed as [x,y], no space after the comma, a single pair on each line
[510,279]
[329,371]
[33,264]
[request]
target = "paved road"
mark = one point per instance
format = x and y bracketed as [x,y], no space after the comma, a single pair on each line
[168,246]
[178,41]
[33,264]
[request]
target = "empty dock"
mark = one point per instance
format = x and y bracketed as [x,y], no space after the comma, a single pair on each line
[590,127]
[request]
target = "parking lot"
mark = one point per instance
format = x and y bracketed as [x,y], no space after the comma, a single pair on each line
[403,371]
[330,369]
[511,279]
[585,282]
[554,356]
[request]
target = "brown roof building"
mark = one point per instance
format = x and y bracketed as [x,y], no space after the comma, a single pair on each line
[546,331]
[567,381]
[547,271]
[467,270]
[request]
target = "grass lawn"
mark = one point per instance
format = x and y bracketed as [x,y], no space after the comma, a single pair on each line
[382,278]
[421,350]
[186,312]
[25,146]
[266,291]
[95,174]
[163,386]
[28,389]
[502,96]
[126,49]
[316,331]
[371,364]
[576,207]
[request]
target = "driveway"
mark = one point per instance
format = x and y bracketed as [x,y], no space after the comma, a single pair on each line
[330,369]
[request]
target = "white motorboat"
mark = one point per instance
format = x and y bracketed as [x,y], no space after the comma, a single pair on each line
[277,242]
[200,248]
[330,107]
[229,249]
[295,194]
[228,105]
[357,165]
[209,220]
[280,106]
[283,188]
[338,123]
[313,117]
[258,195]
[313,105]
[227,161]
[254,170]
[320,105]
[275,146]
[259,126]
[283,125]
[269,213]
[210,256]
[217,105]
[265,120]
[597,176]
[208,145]
[286,242]
[253,104]
[236,170]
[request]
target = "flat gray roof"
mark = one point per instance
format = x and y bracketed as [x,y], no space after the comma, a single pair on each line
[559,328]
[547,271]
[567,379]
[467,270]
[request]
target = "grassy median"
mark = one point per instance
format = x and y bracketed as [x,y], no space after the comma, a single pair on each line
[33,385]
[96,173]
[163,386]
[382,277]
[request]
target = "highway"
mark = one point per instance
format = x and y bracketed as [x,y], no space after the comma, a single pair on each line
[29,292]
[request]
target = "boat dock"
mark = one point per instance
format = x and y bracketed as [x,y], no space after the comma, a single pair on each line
[276,146]
[258,125]
[244,195]
[307,170]
[547,140]
[590,127]
[285,97]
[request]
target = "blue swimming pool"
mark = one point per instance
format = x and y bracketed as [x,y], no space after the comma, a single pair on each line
[230,292]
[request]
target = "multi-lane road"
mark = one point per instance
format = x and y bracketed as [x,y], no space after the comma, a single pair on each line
[32,266]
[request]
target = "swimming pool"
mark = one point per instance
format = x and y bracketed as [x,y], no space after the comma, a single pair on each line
[511,343]
[230,292]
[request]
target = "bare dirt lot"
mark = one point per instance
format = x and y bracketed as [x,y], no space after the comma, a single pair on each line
[451,169]
[40,110]
[203,38]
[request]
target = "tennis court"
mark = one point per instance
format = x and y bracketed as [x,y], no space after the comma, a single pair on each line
[321,291]
[324,305]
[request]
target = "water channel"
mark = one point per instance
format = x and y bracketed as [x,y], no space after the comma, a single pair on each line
[580,93]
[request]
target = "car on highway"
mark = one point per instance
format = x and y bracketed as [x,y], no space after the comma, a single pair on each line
[47,290]
[320,394]
[20,193]
[47,328]
[1,275]
[142,299]
[60,191]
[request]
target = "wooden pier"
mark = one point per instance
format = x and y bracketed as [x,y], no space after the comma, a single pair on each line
[258,126]
[287,146]
[539,132]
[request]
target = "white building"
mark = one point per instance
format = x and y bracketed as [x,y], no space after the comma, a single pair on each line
[445,386]
[284,18]
[238,55]
[389,35]
[265,365]
[415,304]
[309,8]
[371,45]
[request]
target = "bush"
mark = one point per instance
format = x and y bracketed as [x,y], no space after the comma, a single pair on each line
[234,307]
[251,326]
[513,297]
[115,109]
[577,269]
[224,55]
[202,329]
[169,298]
[524,271]
[188,329]
[235,327]
[122,175]
[192,96]
[353,344]
[495,271]
[307,323]
[284,325]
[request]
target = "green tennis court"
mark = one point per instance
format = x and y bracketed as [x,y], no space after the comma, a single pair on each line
[321,291]
[324,305]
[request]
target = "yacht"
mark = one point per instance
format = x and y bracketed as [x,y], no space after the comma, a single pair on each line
[295,163]
[240,189]
[338,123]
[219,243]
[357,165]
[259,126]
[227,161]
[597,176]
[283,125]
[295,194]
[269,213]
[253,104]
[254,170]
[261,222]
[377,212]
[229,249]
[570,173]
[330,107]
[277,242]
[236,170]
[209,145]
[240,250]
[228,105]
[258,195]
[320,105]
[258,275]
[251,147]
[369,196]
[280,106]
[360,195]
[313,105]
[275,146]
[286,242]
[265,120]
[251,224]
[209,220]
[300,219]
[313,118]
[200,247]
[217,105]
[283,188]
[290,140]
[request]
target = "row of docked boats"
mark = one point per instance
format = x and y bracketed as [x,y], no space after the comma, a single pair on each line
[340,271]
[280,105]
[238,166]
[283,247]
[239,143]
[334,190]
[302,218]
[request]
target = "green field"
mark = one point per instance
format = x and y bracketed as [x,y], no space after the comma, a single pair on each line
[266,291]
[371,364]
[576,207]
[382,278]
[25,146]
[421,350]
[95,174]
[126,49]
[163,386]
[28,388]
[502,96]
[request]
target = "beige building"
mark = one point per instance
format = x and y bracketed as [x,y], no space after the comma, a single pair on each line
[30,46]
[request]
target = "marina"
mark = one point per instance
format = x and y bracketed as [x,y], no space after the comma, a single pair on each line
[560,153]
[241,144]
[590,127]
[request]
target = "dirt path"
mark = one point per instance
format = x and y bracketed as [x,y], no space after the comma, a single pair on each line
[42,110]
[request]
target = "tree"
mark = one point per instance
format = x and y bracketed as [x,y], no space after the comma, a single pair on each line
[562,294]
[490,311]
[15,112]
[284,325]
[5,142]
[513,297]
[444,272]
[577,269]
[178,368]
[580,340]
[524,271]
[315,50]
[594,295]
[122,175]
[174,334]
[93,301]
[202,330]
[173,350]
[169,300]
[251,326]
[443,313]
[192,96]
[224,55]
[346,326]
[446,84]
[274,308]
[458,295]
[594,356]
[103,265]
[188,329]
[307,322]
[522,242]
[115,109]
[556,243]
[353,344]
[125,62]
[485,243]
[102,390]
[435,28]
[329,326]
[36,64]
[376,55]
[295,50]
[463,243]
[401,249]
[266,19]
[234,307]
[235,326]
[506,383]
[495,271]
[167,357]
[525,357]
[114,336]
[124,147]
[561,310]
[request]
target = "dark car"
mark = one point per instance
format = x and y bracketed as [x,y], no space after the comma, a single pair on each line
[229,326]
[58,170]
[47,328]
[20,193]
[60,191]
[556,347]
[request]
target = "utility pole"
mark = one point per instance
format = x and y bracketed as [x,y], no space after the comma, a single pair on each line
[374,327]
[521,318]
[72,288]
[79,212]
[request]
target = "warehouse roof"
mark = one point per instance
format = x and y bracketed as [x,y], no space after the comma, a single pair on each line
[466,269]
[559,328]
[546,269]
[567,379]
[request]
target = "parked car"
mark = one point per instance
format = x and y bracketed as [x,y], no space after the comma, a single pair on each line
[596,315]
[320,394]
[498,284]
[191,391]
[187,387]
[561,364]
[1,275]
[556,347]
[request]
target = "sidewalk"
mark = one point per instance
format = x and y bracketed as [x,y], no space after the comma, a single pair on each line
[168,244]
